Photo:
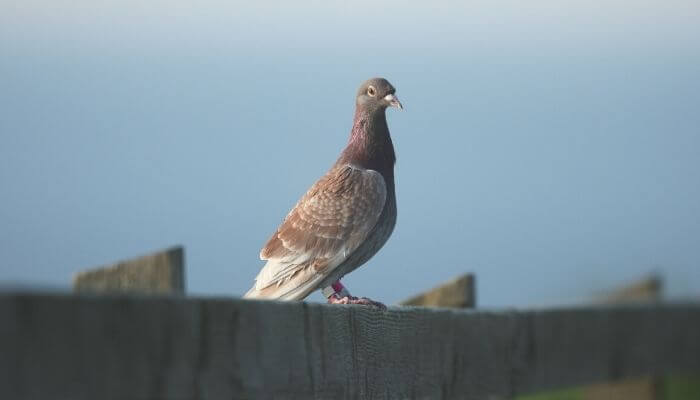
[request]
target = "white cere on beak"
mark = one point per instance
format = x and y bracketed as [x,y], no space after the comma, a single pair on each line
[393,101]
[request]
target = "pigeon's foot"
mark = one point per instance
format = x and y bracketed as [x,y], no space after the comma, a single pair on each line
[338,294]
[355,300]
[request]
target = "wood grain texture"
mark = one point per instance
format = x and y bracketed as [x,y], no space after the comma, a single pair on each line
[456,293]
[153,347]
[161,272]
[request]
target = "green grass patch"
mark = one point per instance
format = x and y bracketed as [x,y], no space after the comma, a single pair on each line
[682,387]
[675,387]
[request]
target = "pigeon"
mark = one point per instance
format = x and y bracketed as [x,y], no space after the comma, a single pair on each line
[344,218]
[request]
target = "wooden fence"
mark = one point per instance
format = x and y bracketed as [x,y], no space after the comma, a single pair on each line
[135,346]
[163,347]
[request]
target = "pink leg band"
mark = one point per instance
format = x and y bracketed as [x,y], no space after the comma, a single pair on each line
[338,287]
[336,290]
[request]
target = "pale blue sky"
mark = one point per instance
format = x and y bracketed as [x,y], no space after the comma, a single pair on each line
[550,149]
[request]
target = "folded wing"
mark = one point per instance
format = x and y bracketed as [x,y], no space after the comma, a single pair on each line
[327,225]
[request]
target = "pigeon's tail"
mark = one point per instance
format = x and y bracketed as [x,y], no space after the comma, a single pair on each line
[295,285]
[252,294]
[274,292]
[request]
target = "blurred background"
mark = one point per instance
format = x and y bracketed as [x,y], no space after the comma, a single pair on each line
[549,148]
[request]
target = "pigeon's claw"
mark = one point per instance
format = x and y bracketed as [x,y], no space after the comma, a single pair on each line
[356,300]
[338,294]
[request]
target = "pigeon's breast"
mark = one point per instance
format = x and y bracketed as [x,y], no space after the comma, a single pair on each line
[376,239]
[385,225]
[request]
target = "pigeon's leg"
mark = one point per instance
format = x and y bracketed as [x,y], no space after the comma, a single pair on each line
[338,294]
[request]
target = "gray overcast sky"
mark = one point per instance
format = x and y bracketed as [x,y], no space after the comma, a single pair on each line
[550,149]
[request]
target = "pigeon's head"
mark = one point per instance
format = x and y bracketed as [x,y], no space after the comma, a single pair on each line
[377,94]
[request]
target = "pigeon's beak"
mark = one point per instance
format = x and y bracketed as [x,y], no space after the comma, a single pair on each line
[393,101]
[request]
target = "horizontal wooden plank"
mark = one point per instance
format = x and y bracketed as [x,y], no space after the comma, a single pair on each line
[139,347]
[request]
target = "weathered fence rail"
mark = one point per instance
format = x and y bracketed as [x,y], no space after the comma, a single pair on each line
[161,347]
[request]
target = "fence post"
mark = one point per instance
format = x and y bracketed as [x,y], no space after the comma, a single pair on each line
[160,272]
[457,293]
[648,388]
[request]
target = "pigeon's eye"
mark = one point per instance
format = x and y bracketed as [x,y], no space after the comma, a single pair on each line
[371,91]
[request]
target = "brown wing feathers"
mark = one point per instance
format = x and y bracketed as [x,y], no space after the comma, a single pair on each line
[326,225]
